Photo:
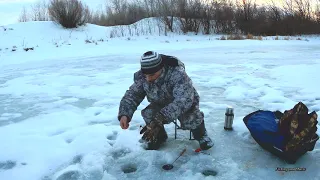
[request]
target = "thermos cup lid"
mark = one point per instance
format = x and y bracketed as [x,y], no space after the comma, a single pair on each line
[229,110]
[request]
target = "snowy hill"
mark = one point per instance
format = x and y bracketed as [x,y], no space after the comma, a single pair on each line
[59,102]
[52,41]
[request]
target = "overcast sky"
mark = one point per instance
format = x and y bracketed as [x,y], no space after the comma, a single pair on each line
[11,9]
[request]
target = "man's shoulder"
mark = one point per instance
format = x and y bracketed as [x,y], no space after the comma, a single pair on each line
[177,69]
[138,75]
[176,72]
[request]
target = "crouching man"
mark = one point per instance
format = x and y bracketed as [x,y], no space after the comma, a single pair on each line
[168,88]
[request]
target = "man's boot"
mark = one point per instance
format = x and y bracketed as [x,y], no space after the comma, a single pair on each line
[162,137]
[200,134]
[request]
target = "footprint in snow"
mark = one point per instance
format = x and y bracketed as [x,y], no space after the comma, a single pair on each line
[132,167]
[69,140]
[77,159]
[58,132]
[7,164]
[118,153]
[113,136]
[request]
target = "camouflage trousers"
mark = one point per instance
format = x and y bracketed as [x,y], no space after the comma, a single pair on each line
[189,120]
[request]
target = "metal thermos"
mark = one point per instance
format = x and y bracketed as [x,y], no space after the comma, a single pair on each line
[229,118]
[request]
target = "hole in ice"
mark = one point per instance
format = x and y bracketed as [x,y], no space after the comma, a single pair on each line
[70,175]
[7,165]
[129,168]
[209,172]
[167,167]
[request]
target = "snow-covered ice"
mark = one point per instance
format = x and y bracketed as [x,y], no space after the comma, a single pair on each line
[59,103]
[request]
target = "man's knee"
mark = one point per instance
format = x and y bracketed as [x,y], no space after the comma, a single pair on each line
[148,112]
[192,120]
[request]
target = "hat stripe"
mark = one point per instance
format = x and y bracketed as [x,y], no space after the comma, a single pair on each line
[150,58]
[150,65]
[151,62]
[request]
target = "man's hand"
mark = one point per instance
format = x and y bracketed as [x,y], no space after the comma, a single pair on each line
[124,122]
[151,132]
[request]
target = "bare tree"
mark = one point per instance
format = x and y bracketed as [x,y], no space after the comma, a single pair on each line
[274,12]
[207,14]
[151,7]
[121,12]
[259,22]
[303,9]
[275,17]
[298,17]
[289,17]
[288,7]
[23,15]
[117,11]
[190,12]
[224,16]
[136,12]
[247,9]
[245,14]
[40,11]
[69,13]
[166,10]
[182,13]
[318,12]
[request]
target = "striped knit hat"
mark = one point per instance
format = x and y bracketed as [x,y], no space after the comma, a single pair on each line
[151,62]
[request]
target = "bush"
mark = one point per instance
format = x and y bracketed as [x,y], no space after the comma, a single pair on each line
[235,37]
[250,36]
[223,38]
[68,13]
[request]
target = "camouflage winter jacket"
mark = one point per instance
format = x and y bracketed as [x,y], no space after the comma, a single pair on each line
[173,91]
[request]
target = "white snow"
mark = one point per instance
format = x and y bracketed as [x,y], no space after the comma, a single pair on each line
[58,110]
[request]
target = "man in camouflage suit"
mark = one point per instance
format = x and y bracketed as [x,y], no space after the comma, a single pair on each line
[163,80]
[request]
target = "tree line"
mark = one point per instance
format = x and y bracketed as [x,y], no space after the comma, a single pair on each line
[277,17]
